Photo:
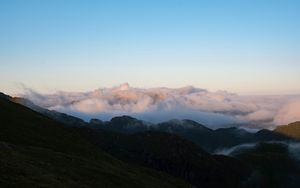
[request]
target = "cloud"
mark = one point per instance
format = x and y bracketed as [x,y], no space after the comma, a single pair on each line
[235,149]
[215,109]
[293,149]
[290,112]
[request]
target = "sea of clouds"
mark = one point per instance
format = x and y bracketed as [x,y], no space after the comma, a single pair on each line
[214,109]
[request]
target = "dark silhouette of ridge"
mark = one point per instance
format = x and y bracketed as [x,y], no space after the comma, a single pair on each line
[36,151]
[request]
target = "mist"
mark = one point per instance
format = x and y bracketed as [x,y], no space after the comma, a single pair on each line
[214,109]
[293,149]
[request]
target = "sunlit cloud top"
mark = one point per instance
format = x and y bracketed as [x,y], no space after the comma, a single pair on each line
[214,109]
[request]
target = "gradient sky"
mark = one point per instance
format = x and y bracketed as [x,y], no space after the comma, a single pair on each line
[245,46]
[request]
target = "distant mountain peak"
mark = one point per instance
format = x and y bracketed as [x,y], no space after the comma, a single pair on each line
[126,124]
[123,118]
[181,124]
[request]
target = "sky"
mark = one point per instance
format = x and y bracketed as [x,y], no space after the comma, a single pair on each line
[245,46]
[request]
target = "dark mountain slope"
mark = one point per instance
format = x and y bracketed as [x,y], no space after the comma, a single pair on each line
[276,166]
[172,154]
[212,140]
[206,138]
[57,116]
[35,151]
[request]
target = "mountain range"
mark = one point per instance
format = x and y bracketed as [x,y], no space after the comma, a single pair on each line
[44,148]
[203,136]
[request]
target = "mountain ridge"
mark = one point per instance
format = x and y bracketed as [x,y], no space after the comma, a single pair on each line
[173,149]
[203,136]
[36,151]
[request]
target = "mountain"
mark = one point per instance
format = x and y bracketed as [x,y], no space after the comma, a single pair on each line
[174,155]
[212,140]
[176,125]
[291,130]
[60,117]
[3,96]
[199,134]
[28,136]
[206,138]
[122,124]
[275,165]
[36,151]
[126,124]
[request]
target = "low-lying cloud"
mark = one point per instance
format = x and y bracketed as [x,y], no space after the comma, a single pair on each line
[214,109]
[293,149]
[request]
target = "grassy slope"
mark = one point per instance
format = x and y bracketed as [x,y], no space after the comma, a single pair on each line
[292,130]
[36,151]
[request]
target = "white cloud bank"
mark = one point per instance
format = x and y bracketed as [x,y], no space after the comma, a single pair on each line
[214,109]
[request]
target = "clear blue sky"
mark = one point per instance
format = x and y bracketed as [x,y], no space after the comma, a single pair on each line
[245,46]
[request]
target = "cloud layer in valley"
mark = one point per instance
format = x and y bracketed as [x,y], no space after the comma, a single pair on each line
[293,149]
[215,109]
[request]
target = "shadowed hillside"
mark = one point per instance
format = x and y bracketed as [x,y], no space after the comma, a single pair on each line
[174,155]
[35,151]
[276,167]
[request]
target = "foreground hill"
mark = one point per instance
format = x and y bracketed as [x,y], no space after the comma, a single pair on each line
[275,163]
[36,151]
[174,155]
